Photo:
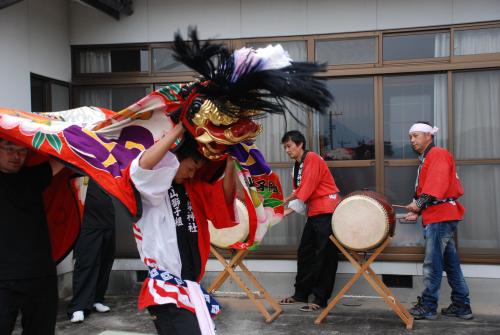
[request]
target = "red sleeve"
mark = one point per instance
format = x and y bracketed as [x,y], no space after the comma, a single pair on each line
[437,180]
[310,177]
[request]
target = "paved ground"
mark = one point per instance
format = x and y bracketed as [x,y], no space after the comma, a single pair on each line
[351,316]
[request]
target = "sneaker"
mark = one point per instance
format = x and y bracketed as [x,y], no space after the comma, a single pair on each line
[98,307]
[459,311]
[420,311]
[77,317]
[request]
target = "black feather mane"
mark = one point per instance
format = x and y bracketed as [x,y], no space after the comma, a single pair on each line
[267,91]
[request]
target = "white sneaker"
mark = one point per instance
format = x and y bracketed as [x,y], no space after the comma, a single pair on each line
[77,317]
[98,307]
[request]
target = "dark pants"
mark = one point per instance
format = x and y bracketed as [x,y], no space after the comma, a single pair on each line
[94,255]
[36,298]
[171,320]
[317,260]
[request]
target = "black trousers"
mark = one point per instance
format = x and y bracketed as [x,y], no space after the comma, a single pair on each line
[35,298]
[317,260]
[171,320]
[94,254]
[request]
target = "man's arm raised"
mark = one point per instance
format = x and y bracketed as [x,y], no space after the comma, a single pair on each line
[155,153]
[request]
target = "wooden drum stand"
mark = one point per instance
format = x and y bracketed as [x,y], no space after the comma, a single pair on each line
[363,268]
[229,271]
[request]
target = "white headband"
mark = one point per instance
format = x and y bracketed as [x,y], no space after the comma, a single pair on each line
[424,128]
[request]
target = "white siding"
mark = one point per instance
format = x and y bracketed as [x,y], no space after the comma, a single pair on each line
[157,20]
[34,36]
[14,60]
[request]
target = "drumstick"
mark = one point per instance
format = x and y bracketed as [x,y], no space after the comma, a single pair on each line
[398,206]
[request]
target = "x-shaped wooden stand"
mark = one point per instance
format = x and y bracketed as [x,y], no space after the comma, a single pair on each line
[363,267]
[229,267]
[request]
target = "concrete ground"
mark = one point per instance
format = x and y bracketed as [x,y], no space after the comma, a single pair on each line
[240,316]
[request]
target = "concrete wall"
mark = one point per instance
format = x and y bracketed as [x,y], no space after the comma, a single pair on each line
[34,36]
[157,20]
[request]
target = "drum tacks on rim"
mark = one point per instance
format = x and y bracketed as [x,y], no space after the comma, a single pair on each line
[363,220]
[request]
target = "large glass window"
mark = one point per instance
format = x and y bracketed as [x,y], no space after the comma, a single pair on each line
[347,131]
[296,49]
[477,41]
[416,46]
[477,114]
[48,95]
[115,60]
[476,124]
[399,189]
[163,61]
[409,99]
[480,228]
[347,51]
[59,95]
[114,98]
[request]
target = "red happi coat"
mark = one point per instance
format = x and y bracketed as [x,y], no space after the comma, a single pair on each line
[317,188]
[438,178]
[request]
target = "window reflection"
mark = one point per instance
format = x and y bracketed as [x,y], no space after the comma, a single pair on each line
[346,131]
[409,99]
[354,179]
[164,61]
[480,228]
[476,114]
[399,189]
[114,98]
[347,51]
[416,46]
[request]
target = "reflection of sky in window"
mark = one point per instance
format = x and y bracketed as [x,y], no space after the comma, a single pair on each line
[349,122]
[407,99]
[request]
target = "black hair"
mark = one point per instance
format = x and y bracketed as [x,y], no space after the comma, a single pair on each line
[188,148]
[295,136]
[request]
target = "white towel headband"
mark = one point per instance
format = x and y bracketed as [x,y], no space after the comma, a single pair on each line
[424,128]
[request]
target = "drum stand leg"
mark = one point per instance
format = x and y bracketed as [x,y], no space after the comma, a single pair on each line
[229,270]
[364,269]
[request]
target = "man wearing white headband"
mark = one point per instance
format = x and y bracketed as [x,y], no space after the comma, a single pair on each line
[437,189]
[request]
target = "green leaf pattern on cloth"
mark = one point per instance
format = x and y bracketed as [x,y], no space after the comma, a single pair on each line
[38,140]
[52,139]
[270,202]
[55,142]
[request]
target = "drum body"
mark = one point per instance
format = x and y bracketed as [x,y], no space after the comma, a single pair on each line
[363,220]
[225,237]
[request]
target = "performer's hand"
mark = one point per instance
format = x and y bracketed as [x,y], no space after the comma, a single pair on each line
[288,211]
[288,199]
[411,216]
[412,207]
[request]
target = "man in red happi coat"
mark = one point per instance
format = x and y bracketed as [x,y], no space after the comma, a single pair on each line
[437,190]
[317,257]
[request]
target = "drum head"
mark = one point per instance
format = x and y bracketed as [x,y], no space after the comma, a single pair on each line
[360,223]
[225,237]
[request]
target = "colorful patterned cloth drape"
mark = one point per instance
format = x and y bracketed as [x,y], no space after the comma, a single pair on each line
[101,144]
